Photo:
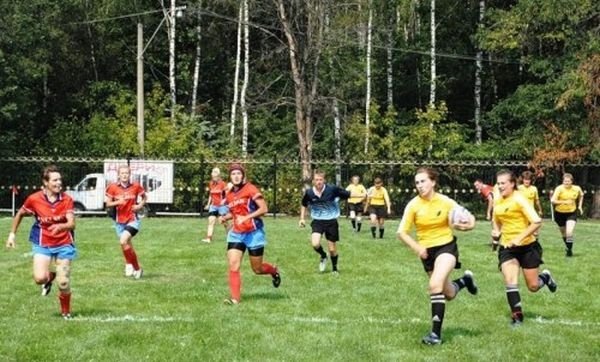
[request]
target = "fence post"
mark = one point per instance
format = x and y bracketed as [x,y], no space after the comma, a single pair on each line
[274,185]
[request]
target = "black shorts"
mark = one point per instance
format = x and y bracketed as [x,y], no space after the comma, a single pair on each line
[357,208]
[378,210]
[529,256]
[328,227]
[560,218]
[434,252]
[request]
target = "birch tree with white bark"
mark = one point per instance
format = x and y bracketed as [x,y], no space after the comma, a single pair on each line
[197,61]
[243,105]
[236,77]
[478,69]
[368,70]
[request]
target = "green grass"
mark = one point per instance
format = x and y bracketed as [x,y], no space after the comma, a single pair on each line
[376,309]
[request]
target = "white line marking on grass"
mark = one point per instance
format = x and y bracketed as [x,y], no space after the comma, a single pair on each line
[130,318]
[565,322]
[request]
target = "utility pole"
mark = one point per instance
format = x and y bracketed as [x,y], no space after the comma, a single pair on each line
[140,88]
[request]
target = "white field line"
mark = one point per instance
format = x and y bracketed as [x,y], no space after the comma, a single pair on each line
[130,318]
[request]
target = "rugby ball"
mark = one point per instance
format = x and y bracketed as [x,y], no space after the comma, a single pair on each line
[459,215]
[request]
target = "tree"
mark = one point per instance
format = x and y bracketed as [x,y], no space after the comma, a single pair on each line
[197,62]
[245,83]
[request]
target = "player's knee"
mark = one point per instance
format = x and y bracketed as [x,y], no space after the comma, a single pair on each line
[63,278]
[40,279]
[435,287]
[257,269]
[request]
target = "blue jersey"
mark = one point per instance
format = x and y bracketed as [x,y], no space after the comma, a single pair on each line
[326,206]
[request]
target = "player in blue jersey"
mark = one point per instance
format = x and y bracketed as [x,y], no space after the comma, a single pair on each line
[323,200]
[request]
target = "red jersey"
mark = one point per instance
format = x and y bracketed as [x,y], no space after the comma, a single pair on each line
[130,193]
[243,202]
[48,213]
[486,191]
[217,192]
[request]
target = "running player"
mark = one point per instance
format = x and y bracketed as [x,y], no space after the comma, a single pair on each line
[530,192]
[428,213]
[379,207]
[487,194]
[355,204]
[515,222]
[567,200]
[216,202]
[246,205]
[127,198]
[51,236]
[324,202]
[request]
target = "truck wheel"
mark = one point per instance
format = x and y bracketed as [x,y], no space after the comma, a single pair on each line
[78,207]
[143,212]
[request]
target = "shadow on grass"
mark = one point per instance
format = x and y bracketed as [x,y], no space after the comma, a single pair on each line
[448,334]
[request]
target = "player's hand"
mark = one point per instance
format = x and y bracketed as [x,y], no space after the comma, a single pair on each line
[241,219]
[540,213]
[136,207]
[55,229]
[488,217]
[422,253]
[10,241]
[222,220]
[302,223]
[580,210]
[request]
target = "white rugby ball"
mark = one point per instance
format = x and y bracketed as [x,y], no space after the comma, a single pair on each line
[459,215]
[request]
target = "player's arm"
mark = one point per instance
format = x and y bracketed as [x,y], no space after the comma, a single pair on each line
[403,233]
[386,198]
[555,200]
[302,221]
[344,194]
[580,203]
[367,203]
[11,240]
[224,218]
[69,225]
[143,199]
[490,206]
[535,222]
[111,201]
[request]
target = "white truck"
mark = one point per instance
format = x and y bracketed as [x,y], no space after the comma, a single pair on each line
[155,176]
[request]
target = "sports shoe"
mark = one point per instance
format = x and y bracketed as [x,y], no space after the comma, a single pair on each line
[432,339]
[470,282]
[569,252]
[335,273]
[137,274]
[47,287]
[516,323]
[551,283]
[323,264]
[276,279]
[207,240]
[67,316]
[231,301]
[128,270]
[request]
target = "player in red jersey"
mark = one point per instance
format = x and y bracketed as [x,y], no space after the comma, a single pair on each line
[216,202]
[487,194]
[127,198]
[246,205]
[51,236]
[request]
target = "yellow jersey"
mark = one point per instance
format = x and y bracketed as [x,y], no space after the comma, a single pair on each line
[563,193]
[377,196]
[430,219]
[356,190]
[530,193]
[514,214]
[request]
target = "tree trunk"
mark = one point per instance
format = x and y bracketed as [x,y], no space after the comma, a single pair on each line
[368,96]
[478,67]
[243,105]
[433,72]
[338,142]
[91,39]
[236,77]
[170,15]
[197,62]
[390,68]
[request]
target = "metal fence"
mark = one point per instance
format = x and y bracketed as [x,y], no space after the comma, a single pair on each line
[281,182]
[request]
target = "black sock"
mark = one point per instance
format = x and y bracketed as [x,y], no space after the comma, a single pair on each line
[458,284]
[569,242]
[438,306]
[353,223]
[320,251]
[373,231]
[542,280]
[381,230]
[514,301]
[565,240]
[334,259]
[358,225]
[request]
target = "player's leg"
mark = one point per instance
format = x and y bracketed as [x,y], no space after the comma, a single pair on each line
[235,252]
[332,234]
[359,218]
[315,241]
[438,279]
[125,239]
[510,272]
[256,241]
[63,280]
[569,229]
[530,262]
[381,223]
[41,270]
[374,223]
[353,216]
[212,219]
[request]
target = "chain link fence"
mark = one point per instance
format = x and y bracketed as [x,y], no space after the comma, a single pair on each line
[280,181]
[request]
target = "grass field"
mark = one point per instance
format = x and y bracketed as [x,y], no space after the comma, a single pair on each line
[376,309]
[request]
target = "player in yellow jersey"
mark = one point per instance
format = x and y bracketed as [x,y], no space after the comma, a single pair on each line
[530,192]
[379,207]
[515,222]
[567,199]
[435,245]
[355,204]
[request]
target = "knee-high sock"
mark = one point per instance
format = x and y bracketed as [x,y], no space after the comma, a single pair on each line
[381,230]
[65,302]
[438,307]
[569,242]
[373,231]
[514,301]
[353,221]
[268,269]
[235,284]
[130,256]
[334,261]
[320,251]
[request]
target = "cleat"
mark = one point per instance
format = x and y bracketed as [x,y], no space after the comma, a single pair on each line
[432,339]
[207,240]
[47,287]
[569,252]
[231,301]
[67,316]
[137,274]
[323,264]
[276,279]
[335,273]
[516,323]
[129,270]
[470,282]
[551,283]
